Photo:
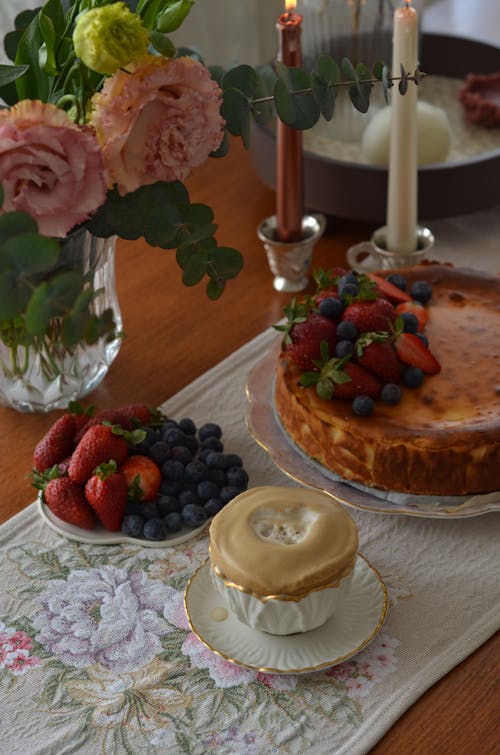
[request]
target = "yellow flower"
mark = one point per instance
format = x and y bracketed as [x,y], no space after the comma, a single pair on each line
[109,37]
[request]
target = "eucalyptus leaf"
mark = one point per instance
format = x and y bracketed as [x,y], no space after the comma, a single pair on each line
[29,253]
[243,78]
[14,294]
[52,299]
[194,269]
[324,95]
[228,262]
[215,289]
[328,69]
[235,109]
[15,224]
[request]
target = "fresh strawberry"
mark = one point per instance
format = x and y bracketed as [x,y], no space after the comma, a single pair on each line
[306,337]
[341,378]
[389,290]
[106,491]
[379,358]
[67,501]
[412,351]
[136,414]
[99,444]
[414,308]
[332,291]
[56,444]
[370,315]
[142,476]
[360,383]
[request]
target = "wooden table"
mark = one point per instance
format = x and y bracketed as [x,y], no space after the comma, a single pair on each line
[172,335]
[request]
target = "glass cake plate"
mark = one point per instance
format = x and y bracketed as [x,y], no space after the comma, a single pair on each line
[265,427]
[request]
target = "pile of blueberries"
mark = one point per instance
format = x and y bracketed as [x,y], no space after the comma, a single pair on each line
[198,479]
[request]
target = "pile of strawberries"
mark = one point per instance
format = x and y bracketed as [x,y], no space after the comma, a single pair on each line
[84,468]
[360,337]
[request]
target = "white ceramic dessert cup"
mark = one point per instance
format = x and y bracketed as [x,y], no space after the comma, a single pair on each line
[283,614]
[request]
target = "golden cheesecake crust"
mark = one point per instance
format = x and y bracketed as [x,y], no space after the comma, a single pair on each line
[444,437]
[315,541]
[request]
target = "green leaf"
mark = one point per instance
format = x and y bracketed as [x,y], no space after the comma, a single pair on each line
[324,95]
[8,74]
[235,109]
[403,84]
[14,295]
[29,253]
[328,69]
[241,77]
[295,103]
[378,69]
[173,16]
[194,269]
[215,289]
[324,388]
[16,224]
[227,262]
[162,44]
[51,299]
[46,58]
[34,84]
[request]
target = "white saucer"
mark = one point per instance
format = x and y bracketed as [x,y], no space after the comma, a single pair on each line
[351,628]
[101,536]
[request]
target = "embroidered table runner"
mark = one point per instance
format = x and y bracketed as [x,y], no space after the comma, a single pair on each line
[96,654]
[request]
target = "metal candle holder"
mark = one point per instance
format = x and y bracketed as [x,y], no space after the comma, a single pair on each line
[374,255]
[289,260]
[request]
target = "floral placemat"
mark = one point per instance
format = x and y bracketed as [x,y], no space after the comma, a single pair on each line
[96,654]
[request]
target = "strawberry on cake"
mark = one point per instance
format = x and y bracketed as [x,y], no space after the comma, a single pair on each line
[404,394]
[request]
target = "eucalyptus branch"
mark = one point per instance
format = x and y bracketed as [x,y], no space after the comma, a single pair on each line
[416,78]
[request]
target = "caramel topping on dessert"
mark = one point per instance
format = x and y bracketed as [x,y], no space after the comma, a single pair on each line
[282,541]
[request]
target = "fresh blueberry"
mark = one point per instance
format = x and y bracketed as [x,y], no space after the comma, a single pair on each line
[182,454]
[218,476]
[188,498]
[132,525]
[207,489]
[167,504]
[187,426]
[347,331]
[195,471]
[132,506]
[155,529]
[347,283]
[350,290]
[363,406]
[232,460]
[391,394]
[344,348]
[193,515]
[174,437]
[160,452]
[397,280]
[202,456]
[423,338]
[150,510]
[227,493]
[215,460]
[150,438]
[173,522]
[213,443]
[192,443]
[421,291]
[413,377]
[170,487]
[213,506]
[169,424]
[331,307]
[172,469]
[237,477]
[410,322]
[208,429]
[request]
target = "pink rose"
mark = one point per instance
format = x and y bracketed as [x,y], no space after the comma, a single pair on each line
[158,121]
[49,167]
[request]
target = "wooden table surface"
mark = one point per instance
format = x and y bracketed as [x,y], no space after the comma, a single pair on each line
[172,335]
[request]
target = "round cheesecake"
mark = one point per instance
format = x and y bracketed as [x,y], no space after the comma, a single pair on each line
[444,437]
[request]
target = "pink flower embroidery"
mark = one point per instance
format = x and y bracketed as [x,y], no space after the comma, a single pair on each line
[14,651]
[157,121]
[49,167]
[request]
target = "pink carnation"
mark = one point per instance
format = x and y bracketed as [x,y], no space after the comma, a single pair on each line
[157,122]
[49,167]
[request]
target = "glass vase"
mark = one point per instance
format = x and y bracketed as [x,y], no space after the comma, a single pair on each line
[40,374]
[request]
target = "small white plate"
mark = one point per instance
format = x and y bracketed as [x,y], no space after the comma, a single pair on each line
[101,536]
[355,624]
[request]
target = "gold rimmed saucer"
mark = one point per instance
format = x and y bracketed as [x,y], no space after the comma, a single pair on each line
[349,630]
